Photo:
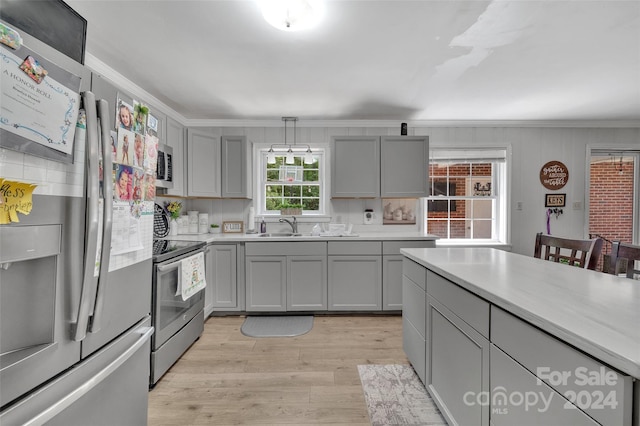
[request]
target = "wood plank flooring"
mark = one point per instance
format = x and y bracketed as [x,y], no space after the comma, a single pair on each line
[227,378]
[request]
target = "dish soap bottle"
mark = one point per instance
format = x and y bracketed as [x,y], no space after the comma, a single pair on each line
[263,227]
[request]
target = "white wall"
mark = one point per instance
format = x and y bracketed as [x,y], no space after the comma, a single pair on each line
[530,147]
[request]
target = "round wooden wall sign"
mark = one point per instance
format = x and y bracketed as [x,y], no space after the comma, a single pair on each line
[554,175]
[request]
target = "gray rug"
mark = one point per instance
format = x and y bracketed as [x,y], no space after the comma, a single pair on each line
[395,396]
[276,326]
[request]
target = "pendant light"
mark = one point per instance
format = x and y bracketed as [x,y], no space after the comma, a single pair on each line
[288,149]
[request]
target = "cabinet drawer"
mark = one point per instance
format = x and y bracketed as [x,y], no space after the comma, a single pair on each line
[355,248]
[414,305]
[415,272]
[469,307]
[393,247]
[565,369]
[299,248]
[414,347]
[542,404]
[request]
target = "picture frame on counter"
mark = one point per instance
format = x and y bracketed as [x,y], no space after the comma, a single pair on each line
[233,227]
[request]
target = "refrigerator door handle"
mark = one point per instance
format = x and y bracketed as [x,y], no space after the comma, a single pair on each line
[107,222]
[89,277]
[81,390]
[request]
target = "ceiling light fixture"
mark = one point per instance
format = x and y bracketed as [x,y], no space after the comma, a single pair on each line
[292,15]
[289,149]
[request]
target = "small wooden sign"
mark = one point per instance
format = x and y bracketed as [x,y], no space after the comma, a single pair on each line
[232,227]
[554,175]
[555,200]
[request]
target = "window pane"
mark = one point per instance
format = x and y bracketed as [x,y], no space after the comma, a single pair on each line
[311,175]
[482,229]
[436,169]
[310,204]
[459,169]
[482,209]
[458,228]
[438,227]
[481,169]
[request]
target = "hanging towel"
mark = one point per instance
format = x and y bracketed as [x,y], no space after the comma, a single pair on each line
[191,278]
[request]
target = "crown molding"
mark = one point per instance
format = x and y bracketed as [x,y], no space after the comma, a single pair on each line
[131,88]
[419,123]
[125,84]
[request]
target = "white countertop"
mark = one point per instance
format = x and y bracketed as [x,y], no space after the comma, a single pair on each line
[361,236]
[595,312]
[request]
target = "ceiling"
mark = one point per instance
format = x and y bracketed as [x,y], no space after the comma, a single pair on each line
[377,60]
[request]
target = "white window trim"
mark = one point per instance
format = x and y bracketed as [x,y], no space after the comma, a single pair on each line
[260,165]
[503,190]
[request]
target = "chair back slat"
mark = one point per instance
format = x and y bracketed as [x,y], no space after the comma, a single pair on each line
[581,253]
[624,260]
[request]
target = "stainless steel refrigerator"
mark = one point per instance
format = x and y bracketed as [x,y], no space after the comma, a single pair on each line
[74,314]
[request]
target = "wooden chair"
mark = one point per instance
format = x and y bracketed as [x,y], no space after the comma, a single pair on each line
[581,253]
[624,256]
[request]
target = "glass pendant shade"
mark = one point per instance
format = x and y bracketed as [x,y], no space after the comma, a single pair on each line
[271,156]
[289,158]
[308,157]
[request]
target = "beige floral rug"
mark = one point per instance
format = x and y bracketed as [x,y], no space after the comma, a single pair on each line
[395,396]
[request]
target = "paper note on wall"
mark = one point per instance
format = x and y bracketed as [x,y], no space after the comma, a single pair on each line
[15,197]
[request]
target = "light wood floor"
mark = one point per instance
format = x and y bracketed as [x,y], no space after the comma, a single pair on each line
[226,378]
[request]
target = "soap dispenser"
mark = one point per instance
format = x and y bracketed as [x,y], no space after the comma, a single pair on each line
[263,227]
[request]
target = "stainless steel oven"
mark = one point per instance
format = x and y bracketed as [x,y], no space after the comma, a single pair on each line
[178,323]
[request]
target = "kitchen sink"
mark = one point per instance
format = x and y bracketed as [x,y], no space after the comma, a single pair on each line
[281,234]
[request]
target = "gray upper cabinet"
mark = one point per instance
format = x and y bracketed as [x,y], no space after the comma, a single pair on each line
[404,166]
[373,166]
[175,138]
[203,171]
[355,166]
[236,167]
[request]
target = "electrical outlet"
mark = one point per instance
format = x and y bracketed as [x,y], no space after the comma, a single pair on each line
[577,205]
[519,205]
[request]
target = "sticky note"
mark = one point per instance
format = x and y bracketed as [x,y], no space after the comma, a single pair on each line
[15,197]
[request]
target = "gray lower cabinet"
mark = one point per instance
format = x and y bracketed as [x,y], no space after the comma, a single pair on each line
[539,405]
[392,271]
[286,276]
[306,283]
[414,300]
[266,281]
[355,276]
[457,365]
[222,278]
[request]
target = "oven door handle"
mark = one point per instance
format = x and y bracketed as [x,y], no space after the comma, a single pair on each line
[170,266]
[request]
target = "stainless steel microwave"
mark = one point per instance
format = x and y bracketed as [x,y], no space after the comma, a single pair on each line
[164,172]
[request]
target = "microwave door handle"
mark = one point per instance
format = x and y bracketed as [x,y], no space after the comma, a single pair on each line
[107,222]
[89,279]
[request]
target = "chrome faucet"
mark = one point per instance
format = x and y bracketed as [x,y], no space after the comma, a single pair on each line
[294,224]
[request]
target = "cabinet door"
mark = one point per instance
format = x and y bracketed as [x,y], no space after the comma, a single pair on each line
[236,167]
[541,404]
[392,283]
[355,283]
[222,283]
[355,166]
[413,325]
[266,280]
[203,164]
[306,283]
[457,360]
[404,166]
[175,139]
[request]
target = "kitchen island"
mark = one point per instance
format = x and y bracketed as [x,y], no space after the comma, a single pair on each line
[500,326]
